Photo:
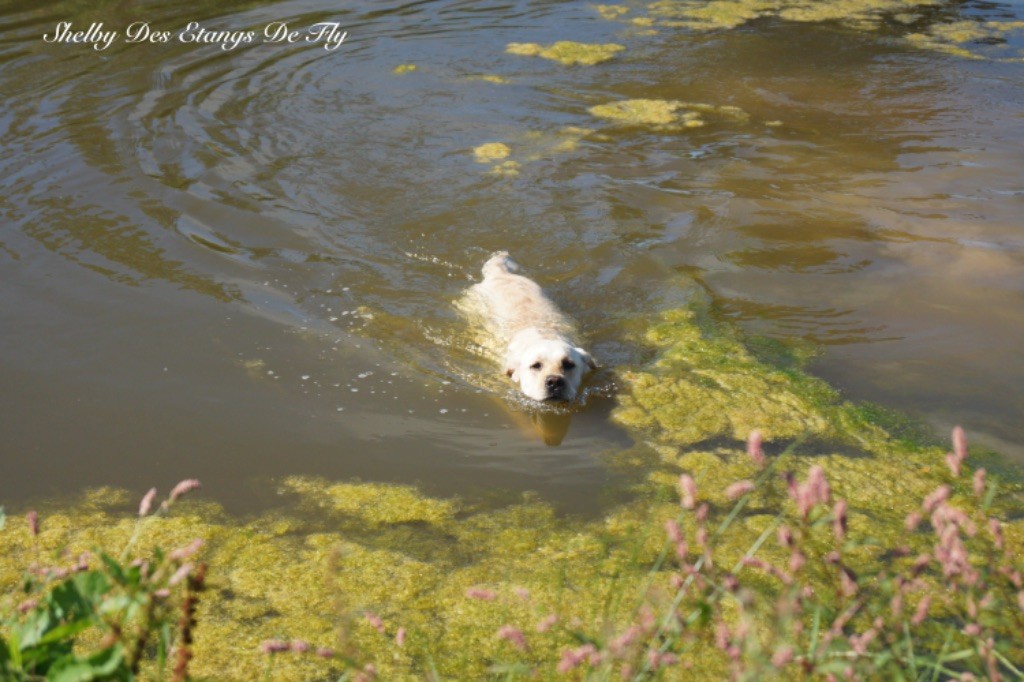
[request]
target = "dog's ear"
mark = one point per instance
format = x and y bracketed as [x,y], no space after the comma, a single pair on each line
[587,358]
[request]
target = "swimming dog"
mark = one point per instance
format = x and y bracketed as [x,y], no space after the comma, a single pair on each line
[541,353]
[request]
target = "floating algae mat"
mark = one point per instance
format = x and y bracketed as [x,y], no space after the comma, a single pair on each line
[452,575]
[491,151]
[925,26]
[661,114]
[568,52]
[531,146]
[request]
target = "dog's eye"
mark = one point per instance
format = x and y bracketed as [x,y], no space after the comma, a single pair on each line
[568,364]
[535,365]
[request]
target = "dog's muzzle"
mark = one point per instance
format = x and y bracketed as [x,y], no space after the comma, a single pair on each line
[555,386]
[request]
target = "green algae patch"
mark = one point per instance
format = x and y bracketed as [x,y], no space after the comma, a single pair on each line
[704,387]
[951,37]
[489,78]
[402,69]
[707,389]
[611,12]
[491,151]
[567,52]
[665,115]
[451,576]
[312,569]
[530,147]
[376,504]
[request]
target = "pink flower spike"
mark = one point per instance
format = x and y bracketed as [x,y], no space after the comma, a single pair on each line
[33,522]
[979,482]
[912,522]
[675,533]
[739,489]
[688,490]
[183,553]
[785,536]
[400,637]
[996,529]
[935,498]
[522,593]
[512,635]
[274,646]
[754,448]
[782,657]
[147,502]
[572,658]
[299,646]
[547,623]
[374,620]
[922,610]
[180,574]
[953,463]
[481,594]
[818,485]
[324,652]
[186,486]
[959,443]
[839,520]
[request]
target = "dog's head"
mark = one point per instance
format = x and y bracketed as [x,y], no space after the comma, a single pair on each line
[548,369]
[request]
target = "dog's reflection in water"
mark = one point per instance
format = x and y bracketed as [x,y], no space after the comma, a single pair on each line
[550,426]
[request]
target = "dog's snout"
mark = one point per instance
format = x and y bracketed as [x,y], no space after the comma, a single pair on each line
[555,381]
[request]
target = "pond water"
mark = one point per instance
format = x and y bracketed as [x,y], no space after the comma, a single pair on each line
[237,264]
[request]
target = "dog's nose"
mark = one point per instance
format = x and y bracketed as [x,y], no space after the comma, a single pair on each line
[555,381]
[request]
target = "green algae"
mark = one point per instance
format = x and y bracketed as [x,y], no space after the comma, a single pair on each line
[665,115]
[491,151]
[567,52]
[951,37]
[336,550]
[402,69]
[489,78]
[530,146]
[611,11]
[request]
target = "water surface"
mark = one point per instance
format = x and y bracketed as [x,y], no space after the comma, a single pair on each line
[240,264]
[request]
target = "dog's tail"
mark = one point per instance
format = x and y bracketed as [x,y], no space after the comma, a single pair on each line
[500,262]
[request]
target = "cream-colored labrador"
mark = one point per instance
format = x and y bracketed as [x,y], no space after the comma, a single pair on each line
[542,356]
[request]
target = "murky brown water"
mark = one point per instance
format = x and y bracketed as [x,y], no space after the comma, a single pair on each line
[238,264]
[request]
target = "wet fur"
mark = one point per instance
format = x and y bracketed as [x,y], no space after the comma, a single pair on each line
[542,355]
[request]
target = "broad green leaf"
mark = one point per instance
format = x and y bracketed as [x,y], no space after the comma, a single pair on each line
[115,569]
[5,655]
[115,604]
[103,665]
[66,631]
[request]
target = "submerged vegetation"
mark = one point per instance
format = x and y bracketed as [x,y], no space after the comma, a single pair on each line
[568,52]
[921,23]
[665,115]
[824,544]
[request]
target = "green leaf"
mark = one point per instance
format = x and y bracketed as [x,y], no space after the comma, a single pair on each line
[65,631]
[38,623]
[114,568]
[3,518]
[106,664]
[93,585]
[163,645]
[67,602]
[115,604]
[5,653]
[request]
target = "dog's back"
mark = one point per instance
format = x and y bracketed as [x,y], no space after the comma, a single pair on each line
[516,302]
